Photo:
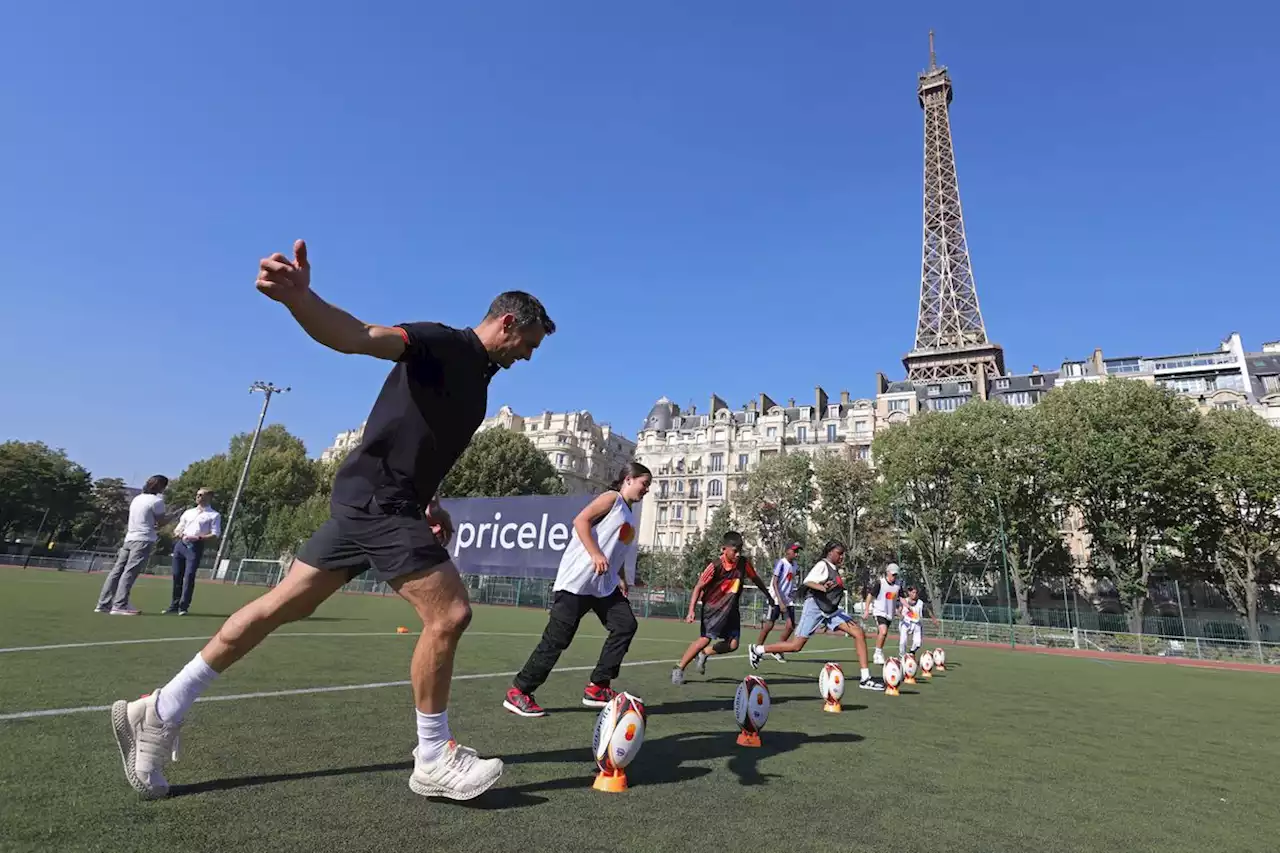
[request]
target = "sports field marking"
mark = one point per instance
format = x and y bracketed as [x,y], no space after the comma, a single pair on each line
[304,691]
[98,643]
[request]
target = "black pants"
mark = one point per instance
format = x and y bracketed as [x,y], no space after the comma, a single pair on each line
[567,610]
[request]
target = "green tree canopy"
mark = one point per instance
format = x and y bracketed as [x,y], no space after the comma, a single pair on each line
[1006,486]
[281,479]
[843,512]
[774,507]
[34,478]
[104,522]
[1133,459]
[1244,473]
[499,464]
[699,553]
[920,465]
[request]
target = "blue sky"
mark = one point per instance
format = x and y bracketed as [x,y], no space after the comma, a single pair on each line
[685,185]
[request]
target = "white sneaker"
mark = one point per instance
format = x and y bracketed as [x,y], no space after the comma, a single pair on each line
[754,655]
[458,774]
[146,744]
[879,658]
[677,676]
[701,663]
[778,657]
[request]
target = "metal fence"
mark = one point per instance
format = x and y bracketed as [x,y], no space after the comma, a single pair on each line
[1087,630]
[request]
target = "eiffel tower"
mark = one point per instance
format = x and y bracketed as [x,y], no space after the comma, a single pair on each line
[951,340]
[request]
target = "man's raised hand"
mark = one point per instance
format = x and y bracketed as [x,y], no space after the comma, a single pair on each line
[284,280]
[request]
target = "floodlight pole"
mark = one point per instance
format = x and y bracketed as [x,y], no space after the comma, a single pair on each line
[267,390]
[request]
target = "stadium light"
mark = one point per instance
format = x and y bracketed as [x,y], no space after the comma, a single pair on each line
[267,390]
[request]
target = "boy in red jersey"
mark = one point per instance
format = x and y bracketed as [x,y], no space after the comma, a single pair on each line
[719,589]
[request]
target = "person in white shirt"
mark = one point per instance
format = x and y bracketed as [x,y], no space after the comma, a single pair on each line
[782,587]
[824,592]
[597,566]
[146,516]
[195,527]
[882,601]
[911,633]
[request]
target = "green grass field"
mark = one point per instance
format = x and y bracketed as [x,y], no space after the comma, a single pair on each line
[1005,752]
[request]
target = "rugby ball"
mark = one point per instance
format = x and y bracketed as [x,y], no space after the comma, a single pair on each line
[926,661]
[831,682]
[892,672]
[909,666]
[619,732]
[940,657]
[751,704]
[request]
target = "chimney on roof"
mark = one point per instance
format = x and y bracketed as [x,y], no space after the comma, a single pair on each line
[1098,367]
[844,396]
[820,399]
[766,403]
[882,383]
[791,402]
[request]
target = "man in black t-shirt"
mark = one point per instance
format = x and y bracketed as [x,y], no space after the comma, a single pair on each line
[384,518]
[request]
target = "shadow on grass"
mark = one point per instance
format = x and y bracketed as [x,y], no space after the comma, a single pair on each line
[769,679]
[662,762]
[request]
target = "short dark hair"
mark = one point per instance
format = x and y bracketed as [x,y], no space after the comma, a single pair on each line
[155,484]
[833,545]
[526,308]
[732,539]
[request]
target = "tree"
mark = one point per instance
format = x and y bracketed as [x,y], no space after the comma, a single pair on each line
[499,464]
[107,517]
[1244,474]
[843,512]
[699,553]
[1006,486]
[1132,458]
[659,569]
[774,506]
[281,479]
[35,478]
[920,465]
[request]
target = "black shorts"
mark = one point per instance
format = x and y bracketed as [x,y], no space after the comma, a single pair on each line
[881,620]
[774,613]
[355,540]
[727,627]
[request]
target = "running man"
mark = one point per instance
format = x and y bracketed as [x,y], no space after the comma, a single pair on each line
[382,513]
[824,590]
[595,570]
[782,587]
[881,601]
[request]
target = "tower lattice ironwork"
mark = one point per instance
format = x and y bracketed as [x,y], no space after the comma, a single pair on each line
[951,340]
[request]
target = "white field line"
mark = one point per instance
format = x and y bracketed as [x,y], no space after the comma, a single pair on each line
[303,691]
[98,643]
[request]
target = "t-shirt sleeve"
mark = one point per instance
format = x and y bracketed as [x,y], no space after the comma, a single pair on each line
[818,574]
[158,509]
[750,572]
[707,574]
[422,341]
[874,589]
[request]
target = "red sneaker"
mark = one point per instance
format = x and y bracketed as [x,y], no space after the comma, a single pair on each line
[522,704]
[597,696]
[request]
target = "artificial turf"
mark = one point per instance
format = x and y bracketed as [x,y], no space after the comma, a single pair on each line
[1004,752]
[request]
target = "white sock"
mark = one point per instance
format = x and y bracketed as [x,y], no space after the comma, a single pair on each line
[866,673]
[433,735]
[177,697]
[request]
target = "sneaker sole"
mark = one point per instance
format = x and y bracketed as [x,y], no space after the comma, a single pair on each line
[426,790]
[124,740]
[877,687]
[518,712]
[593,703]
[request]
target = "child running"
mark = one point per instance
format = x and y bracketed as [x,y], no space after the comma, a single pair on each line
[881,601]
[594,573]
[719,589]
[824,589]
[911,630]
[782,587]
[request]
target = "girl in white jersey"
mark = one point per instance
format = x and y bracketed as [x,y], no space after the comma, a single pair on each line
[911,634]
[881,601]
[594,572]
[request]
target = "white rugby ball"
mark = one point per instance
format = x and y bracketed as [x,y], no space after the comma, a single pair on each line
[619,732]
[909,666]
[831,682]
[940,657]
[751,704]
[926,661]
[892,672]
